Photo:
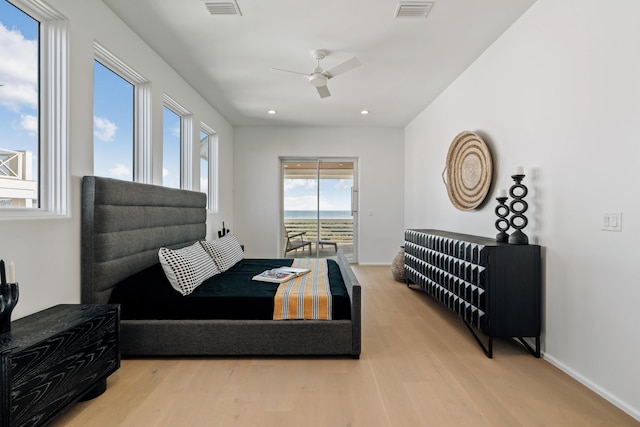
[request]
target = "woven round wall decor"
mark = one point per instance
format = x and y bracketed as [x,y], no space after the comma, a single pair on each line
[468,171]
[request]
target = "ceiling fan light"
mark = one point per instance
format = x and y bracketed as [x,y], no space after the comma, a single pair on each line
[318,79]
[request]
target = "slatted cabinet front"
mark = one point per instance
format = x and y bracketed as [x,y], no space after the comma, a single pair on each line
[493,287]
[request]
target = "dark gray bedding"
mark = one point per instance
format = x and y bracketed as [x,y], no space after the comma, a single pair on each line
[229,295]
[123,226]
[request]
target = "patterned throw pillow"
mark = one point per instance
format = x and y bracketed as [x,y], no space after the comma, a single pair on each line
[188,267]
[225,251]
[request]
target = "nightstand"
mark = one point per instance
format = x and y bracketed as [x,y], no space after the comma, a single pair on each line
[55,358]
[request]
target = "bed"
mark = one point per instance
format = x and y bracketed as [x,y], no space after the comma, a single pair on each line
[123,226]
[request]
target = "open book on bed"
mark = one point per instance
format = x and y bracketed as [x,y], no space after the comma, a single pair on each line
[281,274]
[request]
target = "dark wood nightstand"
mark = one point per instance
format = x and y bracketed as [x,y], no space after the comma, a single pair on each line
[55,358]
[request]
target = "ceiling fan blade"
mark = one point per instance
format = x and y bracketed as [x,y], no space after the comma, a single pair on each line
[289,71]
[347,65]
[323,91]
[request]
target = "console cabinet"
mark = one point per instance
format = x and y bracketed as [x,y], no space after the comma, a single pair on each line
[53,358]
[494,287]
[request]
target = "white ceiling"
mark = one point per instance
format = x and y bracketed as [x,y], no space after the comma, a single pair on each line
[406,62]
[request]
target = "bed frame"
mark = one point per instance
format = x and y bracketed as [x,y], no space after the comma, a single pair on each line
[123,226]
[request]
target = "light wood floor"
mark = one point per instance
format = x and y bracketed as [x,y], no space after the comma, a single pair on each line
[419,367]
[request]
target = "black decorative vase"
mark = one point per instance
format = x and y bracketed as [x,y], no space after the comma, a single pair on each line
[9,293]
[502,223]
[518,207]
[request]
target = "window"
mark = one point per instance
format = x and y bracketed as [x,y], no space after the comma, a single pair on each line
[19,103]
[121,119]
[33,110]
[171,148]
[204,164]
[177,145]
[113,124]
[209,166]
[319,198]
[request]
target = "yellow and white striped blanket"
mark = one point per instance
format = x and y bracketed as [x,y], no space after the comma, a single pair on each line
[307,296]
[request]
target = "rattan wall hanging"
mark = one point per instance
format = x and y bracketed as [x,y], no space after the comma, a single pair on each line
[468,171]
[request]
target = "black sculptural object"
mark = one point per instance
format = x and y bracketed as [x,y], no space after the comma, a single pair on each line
[8,299]
[518,207]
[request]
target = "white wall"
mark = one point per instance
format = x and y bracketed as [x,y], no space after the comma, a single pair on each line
[558,93]
[46,252]
[257,200]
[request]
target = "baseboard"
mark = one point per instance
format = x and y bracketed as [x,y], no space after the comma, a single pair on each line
[614,400]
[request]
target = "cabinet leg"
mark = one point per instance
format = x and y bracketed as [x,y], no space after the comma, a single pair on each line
[98,388]
[488,349]
[534,351]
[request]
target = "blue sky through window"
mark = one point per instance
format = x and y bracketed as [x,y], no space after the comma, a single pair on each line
[300,194]
[204,162]
[113,123]
[19,78]
[170,148]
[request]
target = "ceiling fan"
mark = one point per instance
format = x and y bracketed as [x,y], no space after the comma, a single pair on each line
[319,77]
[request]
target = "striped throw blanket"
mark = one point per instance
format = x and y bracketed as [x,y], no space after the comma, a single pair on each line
[307,296]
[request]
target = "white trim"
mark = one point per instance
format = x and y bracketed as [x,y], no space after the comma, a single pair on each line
[621,404]
[143,157]
[53,179]
[212,196]
[142,144]
[186,141]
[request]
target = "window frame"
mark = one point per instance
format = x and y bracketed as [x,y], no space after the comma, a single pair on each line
[53,114]
[212,185]
[142,141]
[186,141]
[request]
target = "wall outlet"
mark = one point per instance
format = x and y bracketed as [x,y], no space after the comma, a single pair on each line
[612,221]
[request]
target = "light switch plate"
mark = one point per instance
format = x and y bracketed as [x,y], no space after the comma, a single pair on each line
[612,221]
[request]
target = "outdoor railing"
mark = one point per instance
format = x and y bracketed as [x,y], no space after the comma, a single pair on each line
[17,187]
[11,163]
[335,230]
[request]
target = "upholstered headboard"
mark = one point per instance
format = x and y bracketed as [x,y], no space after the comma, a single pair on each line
[125,223]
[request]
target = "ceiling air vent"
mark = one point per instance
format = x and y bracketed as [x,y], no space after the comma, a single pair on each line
[222,7]
[413,9]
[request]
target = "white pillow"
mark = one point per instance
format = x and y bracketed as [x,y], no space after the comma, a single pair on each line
[188,267]
[225,251]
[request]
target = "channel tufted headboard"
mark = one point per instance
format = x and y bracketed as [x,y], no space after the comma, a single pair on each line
[125,223]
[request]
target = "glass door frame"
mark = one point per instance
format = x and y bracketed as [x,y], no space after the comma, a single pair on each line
[354,196]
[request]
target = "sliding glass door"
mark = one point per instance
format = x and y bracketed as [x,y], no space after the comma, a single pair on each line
[319,206]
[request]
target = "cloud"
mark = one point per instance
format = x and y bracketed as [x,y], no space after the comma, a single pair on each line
[18,70]
[29,123]
[344,184]
[293,183]
[104,129]
[120,170]
[303,203]
[165,172]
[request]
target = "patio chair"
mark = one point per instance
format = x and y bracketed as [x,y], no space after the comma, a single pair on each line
[295,241]
[328,242]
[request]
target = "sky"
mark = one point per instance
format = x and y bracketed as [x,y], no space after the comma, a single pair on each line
[19,76]
[301,194]
[112,124]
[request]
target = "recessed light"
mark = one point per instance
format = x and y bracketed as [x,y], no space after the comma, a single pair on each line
[272,112]
[364,112]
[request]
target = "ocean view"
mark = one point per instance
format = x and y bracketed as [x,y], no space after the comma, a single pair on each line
[313,214]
